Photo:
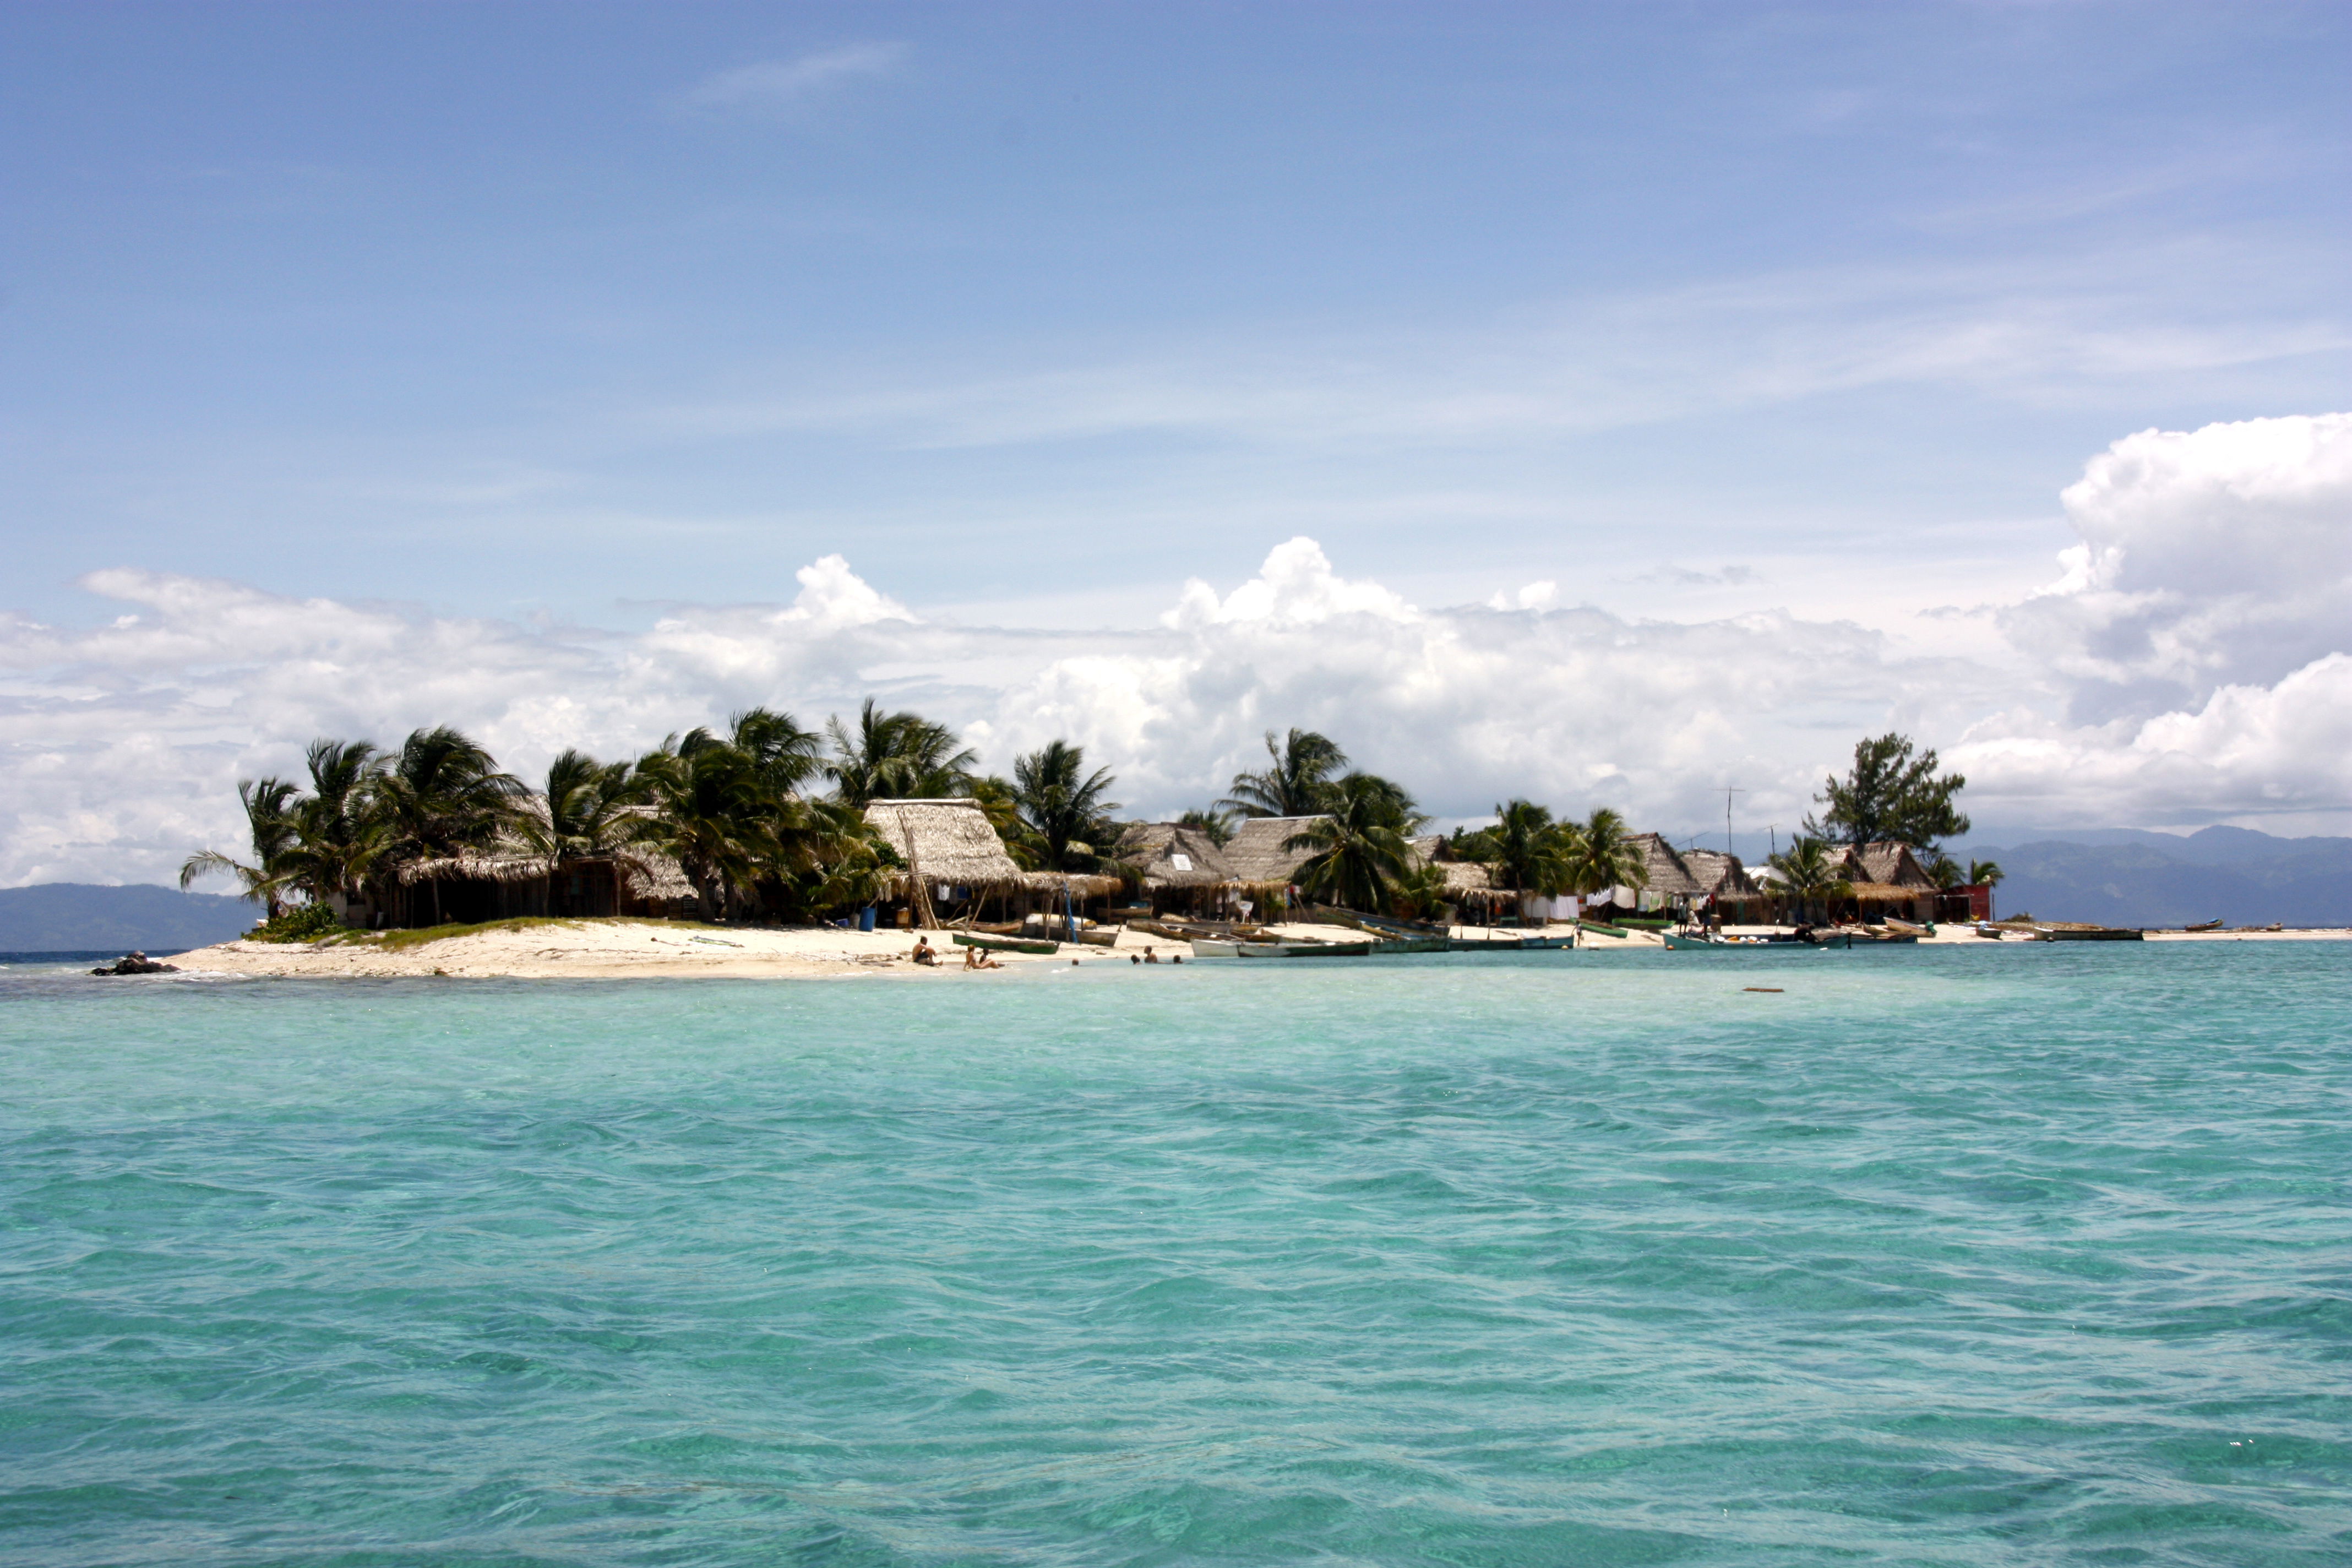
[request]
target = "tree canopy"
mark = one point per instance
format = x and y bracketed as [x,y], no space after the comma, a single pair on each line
[1893,791]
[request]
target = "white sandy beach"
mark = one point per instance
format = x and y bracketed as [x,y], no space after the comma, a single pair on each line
[590,950]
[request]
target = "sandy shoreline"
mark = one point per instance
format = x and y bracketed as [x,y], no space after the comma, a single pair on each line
[616,950]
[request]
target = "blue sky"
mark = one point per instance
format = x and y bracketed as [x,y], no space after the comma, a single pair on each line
[573,321]
[498,308]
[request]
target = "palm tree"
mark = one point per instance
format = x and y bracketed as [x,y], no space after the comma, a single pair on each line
[708,814]
[1985,873]
[1532,853]
[1216,827]
[1001,807]
[1296,785]
[1063,805]
[340,838]
[1601,855]
[1808,872]
[441,797]
[1945,871]
[1389,800]
[900,757]
[593,810]
[1357,855]
[271,825]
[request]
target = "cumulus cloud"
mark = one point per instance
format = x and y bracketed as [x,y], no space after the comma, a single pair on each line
[2202,607]
[2206,558]
[772,85]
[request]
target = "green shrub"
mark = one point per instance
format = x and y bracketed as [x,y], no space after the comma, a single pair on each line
[303,922]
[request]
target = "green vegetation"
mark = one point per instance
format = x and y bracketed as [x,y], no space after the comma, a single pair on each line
[303,922]
[1890,794]
[1299,782]
[1356,844]
[1062,815]
[739,812]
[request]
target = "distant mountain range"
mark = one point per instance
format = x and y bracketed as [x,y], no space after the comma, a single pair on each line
[2127,877]
[2119,876]
[76,917]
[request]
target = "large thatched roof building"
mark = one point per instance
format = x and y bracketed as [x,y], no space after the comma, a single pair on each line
[1669,876]
[1256,855]
[1168,855]
[946,842]
[1719,876]
[1894,865]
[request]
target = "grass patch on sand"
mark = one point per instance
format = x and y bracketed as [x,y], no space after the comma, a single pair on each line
[403,940]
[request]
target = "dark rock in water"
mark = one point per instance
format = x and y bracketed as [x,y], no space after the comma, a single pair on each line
[136,963]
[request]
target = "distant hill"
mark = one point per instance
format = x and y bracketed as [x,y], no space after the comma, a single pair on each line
[76,917]
[2122,876]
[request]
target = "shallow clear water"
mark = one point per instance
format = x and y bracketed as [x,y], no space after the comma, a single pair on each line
[1938,1257]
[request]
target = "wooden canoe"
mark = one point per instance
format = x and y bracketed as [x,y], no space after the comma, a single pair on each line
[1005,943]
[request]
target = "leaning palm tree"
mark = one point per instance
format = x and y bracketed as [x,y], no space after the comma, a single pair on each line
[339,837]
[1297,783]
[708,814]
[271,825]
[1389,800]
[1603,855]
[592,809]
[1355,856]
[896,756]
[1985,873]
[1063,806]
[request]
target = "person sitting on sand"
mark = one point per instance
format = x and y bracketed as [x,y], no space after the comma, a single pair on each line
[924,952]
[976,959]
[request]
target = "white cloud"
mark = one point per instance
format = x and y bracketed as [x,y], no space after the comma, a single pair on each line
[2206,559]
[772,85]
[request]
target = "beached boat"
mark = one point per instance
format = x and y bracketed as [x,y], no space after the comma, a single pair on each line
[1005,944]
[1304,949]
[2100,934]
[1694,941]
[2205,925]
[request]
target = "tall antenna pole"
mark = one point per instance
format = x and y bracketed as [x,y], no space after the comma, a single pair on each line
[1730,789]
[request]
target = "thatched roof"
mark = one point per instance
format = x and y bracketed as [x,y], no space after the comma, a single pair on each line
[1718,873]
[947,841]
[1256,851]
[1669,876]
[473,867]
[1887,894]
[650,876]
[1170,855]
[1898,864]
[1465,876]
[1082,884]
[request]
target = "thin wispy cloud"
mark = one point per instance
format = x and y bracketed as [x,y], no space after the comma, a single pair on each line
[773,85]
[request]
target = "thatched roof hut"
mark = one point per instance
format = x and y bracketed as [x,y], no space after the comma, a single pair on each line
[1893,863]
[473,866]
[1170,855]
[947,842]
[1256,852]
[1719,875]
[1669,876]
[1461,876]
[1081,884]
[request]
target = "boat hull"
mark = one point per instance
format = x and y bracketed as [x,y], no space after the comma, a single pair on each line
[1005,943]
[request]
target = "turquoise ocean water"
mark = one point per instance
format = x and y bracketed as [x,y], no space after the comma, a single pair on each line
[1937,1256]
